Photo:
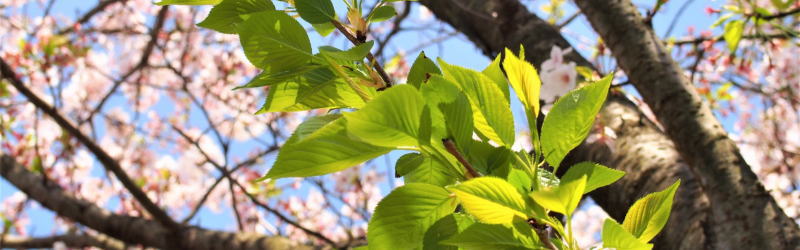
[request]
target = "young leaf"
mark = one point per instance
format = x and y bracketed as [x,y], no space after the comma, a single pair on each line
[227,14]
[294,96]
[315,11]
[417,168]
[325,151]
[188,2]
[491,111]
[421,70]
[489,236]
[309,126]
[494,72]
[733,33]
[615,237]
[597,175]
[648,215]
[274,41]
[525,81]
[562,199]
[491,200]
[356,53]
[324,29]
[382,13]
[570,120]
[445,228]
[392,119]
[402,217]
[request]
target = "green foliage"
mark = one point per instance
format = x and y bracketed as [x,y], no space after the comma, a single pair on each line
[570,120]
[402,217]
[227,14]
[597,175]
[315,11]
[648,215]
[615,236]
[491,200]
[459,192]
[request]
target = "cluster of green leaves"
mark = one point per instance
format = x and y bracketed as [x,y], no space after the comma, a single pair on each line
[460,192]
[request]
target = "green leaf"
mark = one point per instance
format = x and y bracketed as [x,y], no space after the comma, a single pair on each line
[733,33]
[274,41]
[417,168]
[227,14]
[520,180]
[597,175]
[615,236]
[491,111]
[445,228]
[294,96]
[327,150]
[458,120]
[571,119]
[488,236]
[402,217]
[722,19]
[525,81]
[648,215]
[324,29]
[309,126]
[315,11]
[188,2]
[392,119]
[563,199]
[356,53]
[272,78]
[382,13]
[491,200]
[488,159]
[421,70]
[494,72]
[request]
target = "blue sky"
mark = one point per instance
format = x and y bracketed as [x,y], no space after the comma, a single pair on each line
[457,50]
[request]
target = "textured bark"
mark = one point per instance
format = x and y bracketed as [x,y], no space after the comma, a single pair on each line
[70,240]
[742,210]
[133,230]
[641,149]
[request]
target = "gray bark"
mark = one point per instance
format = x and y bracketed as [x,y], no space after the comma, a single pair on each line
[132,230]
[741,209]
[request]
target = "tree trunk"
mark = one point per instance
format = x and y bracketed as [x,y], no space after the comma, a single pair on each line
[641,149]
[741,209]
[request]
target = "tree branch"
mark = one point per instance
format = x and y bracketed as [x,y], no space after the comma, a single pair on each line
[738,200]
[102,156]
[70,240]
[133,230]
[371,58]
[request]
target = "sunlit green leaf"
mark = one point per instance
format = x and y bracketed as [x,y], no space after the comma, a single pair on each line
[648,215]
[491,200]
[403,217]
[417,168]
[597,175]
[327,150]
[382,13]
[421,70]
[445,228]
[392,119]
[571,119]
[227,14]
[274,41]
[733,33]
[489,236]
[315,11]
[563,199]
[615,236]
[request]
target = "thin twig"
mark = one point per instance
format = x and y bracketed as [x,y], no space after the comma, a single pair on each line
[371,58]
[451,148]
[102,156]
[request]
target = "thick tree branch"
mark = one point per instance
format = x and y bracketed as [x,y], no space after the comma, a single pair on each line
[70,240]
[6,72]
[738,200]
[647,170]
[133,230]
